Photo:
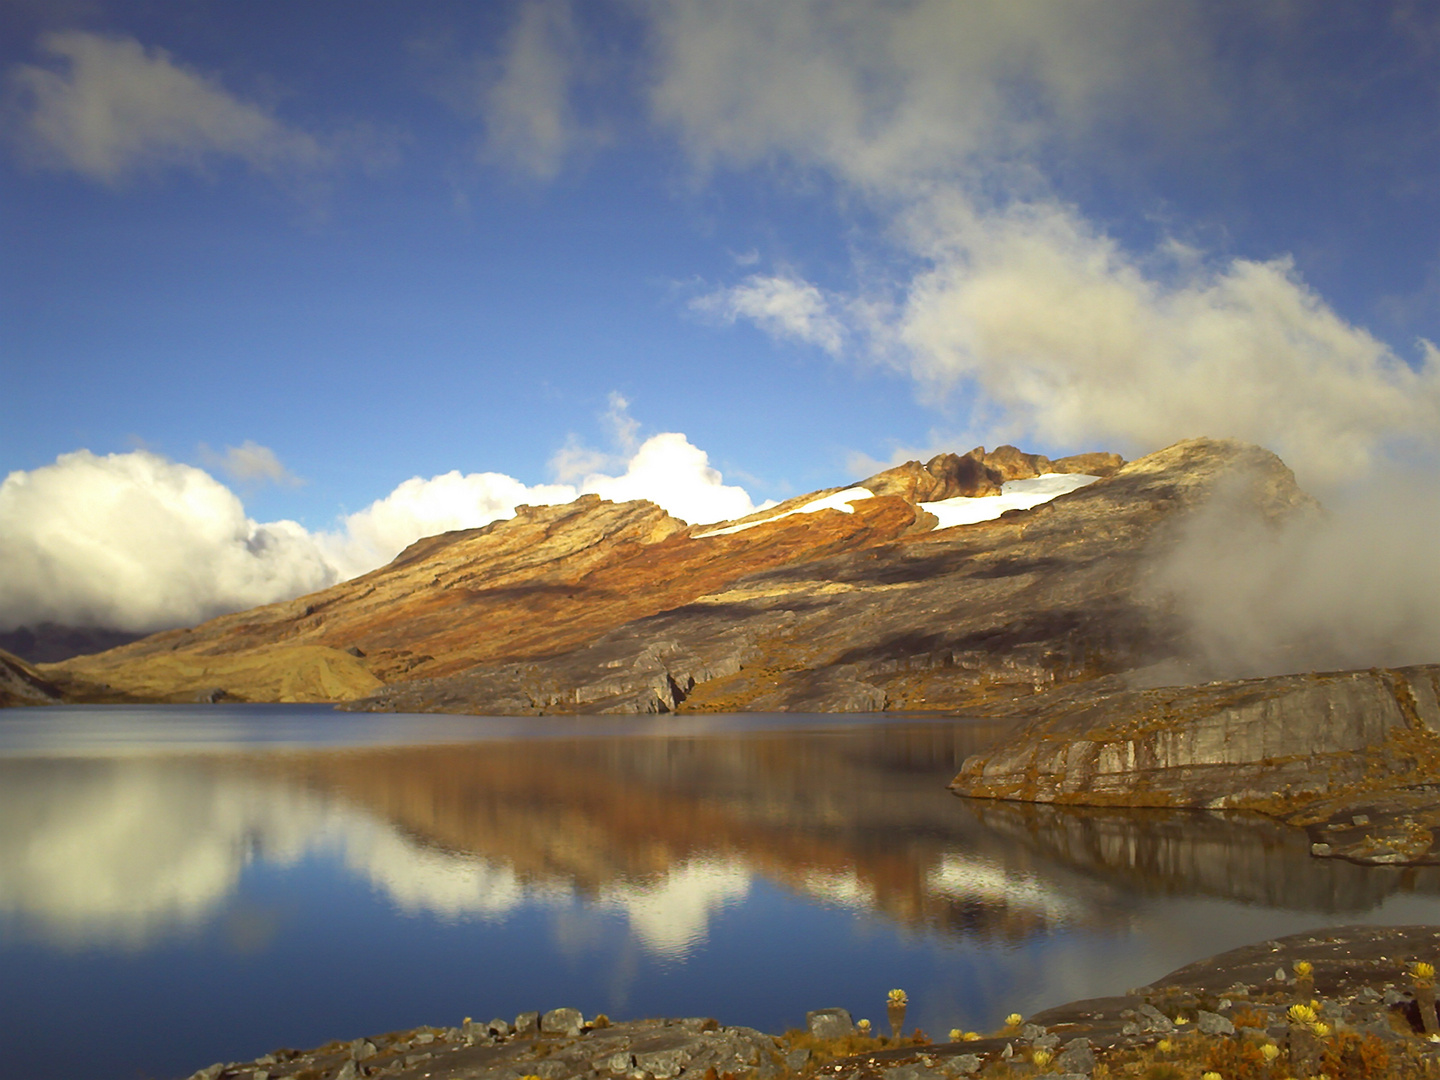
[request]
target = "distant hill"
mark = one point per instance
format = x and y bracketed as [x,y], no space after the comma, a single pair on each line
[47,642]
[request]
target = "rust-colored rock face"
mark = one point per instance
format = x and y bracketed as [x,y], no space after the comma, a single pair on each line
[604,607]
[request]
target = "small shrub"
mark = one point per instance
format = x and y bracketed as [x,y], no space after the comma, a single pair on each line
[1236,1060]
[1163,1070]
[1250,1018]
[1356,1057]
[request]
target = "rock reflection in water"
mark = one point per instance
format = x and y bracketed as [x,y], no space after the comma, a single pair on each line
[666,831]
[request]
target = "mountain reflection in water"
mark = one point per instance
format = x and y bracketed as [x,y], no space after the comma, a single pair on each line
[655,839]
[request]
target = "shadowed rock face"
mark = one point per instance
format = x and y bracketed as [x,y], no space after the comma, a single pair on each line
[21,684]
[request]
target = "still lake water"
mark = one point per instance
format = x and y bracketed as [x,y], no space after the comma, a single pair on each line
[182,885]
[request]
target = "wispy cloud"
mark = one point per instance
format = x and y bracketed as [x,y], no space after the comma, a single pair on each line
[110,108]
[527,102]
[780,304]
[250,463]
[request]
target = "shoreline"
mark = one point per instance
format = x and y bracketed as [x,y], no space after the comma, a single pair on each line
[1348,1001]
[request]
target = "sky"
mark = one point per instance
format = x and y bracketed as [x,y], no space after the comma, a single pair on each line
[284,287]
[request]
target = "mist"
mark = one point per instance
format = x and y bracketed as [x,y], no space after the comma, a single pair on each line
[1354,583]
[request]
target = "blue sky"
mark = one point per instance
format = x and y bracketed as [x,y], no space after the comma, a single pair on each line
[315,251]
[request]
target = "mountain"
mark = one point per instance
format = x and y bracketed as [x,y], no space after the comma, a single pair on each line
[843,599]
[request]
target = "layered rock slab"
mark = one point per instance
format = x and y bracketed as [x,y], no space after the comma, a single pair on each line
[1350,755]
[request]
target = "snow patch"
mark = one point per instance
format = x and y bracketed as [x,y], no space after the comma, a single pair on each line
[840,500]
[1014,495]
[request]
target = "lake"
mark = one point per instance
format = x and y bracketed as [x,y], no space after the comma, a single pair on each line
[187,884]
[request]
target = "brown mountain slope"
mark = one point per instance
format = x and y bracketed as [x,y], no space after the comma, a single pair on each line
[544,583]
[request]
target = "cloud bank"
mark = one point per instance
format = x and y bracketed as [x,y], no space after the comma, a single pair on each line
[136,542]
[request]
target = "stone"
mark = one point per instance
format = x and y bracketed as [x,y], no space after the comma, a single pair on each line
[620,1062]
[348,1071]
[1031,1032]
[550,1069]
[1211,1023]
[832,1023]
[423,1038]
[210,1072]
[1077,1057]
[796,1060]
[527,1023]
[1152,1019]
[499,1027]
[963,1064]
[563,1021]
[663,1064]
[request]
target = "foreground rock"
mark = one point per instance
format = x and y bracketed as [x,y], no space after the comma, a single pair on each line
[1351,756]
[1368,1015]
[554,1046]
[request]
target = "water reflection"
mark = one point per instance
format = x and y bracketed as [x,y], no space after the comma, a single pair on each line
[663,832]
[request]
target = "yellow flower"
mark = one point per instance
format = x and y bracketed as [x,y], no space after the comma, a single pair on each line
[1210,1076]
[1301,1014]
[1041,1058]
[1303,968]
[1164,1046]
[970,1036]
[956,1034]
[1182,1019]
[1421,970]
[897,997]
[1013,1020]
[1270,1051]
[864,1026]
[1320,1028]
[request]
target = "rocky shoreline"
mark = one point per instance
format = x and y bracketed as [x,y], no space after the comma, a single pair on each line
[1350,1002]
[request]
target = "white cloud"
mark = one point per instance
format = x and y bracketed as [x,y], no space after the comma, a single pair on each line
[136,542]
[669,470]
[530,121]
[782,305]
[420,507]
[108,107]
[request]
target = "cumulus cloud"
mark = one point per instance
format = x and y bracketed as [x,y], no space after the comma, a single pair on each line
[423,507]
[108,107]
[780,304]
[530,120]
[137,542]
